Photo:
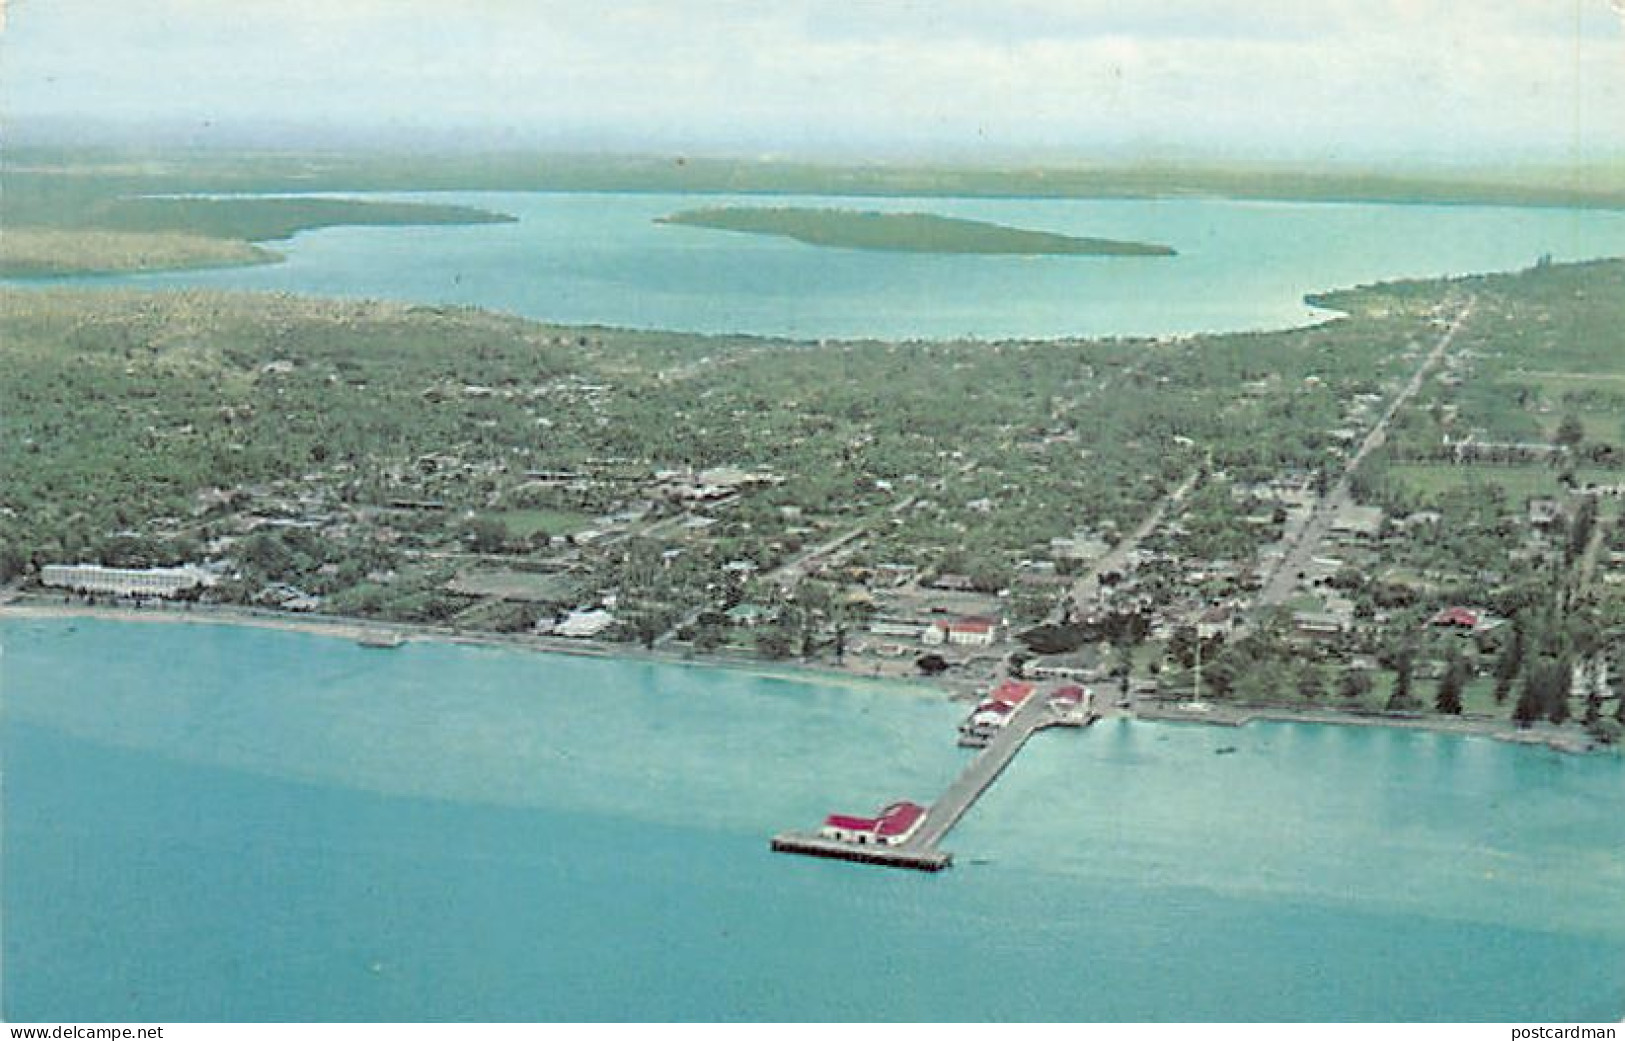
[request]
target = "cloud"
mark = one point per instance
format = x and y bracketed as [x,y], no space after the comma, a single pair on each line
[1333,76]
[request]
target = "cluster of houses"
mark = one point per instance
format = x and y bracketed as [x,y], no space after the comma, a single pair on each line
[716,484]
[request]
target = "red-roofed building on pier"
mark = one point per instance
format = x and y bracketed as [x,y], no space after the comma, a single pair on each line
[993,712]
[892,826]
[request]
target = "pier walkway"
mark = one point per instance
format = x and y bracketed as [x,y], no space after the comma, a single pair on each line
[922,851]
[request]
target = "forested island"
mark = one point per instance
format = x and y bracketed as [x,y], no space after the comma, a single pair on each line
[905,232]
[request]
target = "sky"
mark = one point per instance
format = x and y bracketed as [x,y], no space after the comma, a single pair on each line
[1297,79]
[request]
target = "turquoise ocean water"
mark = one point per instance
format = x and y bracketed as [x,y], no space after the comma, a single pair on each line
[601,259]
[205,822]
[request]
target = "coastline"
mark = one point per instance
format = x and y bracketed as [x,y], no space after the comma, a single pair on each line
[1569,741]
[354,629]
[1573,742]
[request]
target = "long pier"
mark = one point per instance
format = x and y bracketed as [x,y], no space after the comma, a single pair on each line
[922,851]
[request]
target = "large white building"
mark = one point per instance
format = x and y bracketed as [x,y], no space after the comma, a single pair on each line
[126,581]
[964,632]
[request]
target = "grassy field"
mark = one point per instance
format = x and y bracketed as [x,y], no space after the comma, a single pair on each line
[523,523]
[904,232]
[1533,480]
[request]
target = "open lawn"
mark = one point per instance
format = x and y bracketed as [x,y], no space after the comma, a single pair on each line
[523,524]
[1533,480]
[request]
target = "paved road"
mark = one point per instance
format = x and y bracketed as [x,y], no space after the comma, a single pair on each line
[1588,558]
[792,571]
[1087,587]
[1279,587]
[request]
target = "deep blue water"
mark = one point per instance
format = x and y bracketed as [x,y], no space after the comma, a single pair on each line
[601,259]
[207,823]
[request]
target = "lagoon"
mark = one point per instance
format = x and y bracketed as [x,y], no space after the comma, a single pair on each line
[206,822]
[603,259]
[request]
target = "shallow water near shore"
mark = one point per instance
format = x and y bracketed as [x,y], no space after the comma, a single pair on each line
[214,822]
[601,259]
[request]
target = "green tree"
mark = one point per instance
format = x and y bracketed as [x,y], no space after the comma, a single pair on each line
[1311,681]
[1182,646]
[1447,699]
[648,624]
[775,641]
[1570,432]
[1557,702]
[1527,709]
[1508,663]
[1402,700]
[708,636]
[1544,692]
[486,535]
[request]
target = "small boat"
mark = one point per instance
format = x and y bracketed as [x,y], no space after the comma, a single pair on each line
[1226,750]
[381,639]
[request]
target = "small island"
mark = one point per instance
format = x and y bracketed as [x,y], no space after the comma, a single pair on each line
[905,232]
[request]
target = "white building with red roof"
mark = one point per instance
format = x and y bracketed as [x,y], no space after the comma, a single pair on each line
[970,631]
[892,826]
[1073,702]
[993,712]
[1459,617]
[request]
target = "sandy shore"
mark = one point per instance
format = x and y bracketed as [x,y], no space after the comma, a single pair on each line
[355,629]
[1564,739]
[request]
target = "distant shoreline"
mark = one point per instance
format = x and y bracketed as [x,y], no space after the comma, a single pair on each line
[1567,741]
